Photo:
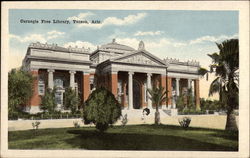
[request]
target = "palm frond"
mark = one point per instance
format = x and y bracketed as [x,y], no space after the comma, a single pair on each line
[202,71]
[215,86]
[215,57]
[157,95]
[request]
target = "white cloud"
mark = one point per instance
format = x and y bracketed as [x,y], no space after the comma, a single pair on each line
[150,33]
[117,33]
[175,44]
[54,34]
[81,16]
[212,39]
[29,38]
[132,42]
[128,20]
[37,37]
[149,43]
[81,44]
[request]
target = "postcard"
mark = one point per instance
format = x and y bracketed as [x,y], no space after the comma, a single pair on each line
[125,79]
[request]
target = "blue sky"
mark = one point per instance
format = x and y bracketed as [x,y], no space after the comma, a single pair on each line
[176,34]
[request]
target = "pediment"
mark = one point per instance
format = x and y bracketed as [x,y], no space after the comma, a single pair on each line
[140,58]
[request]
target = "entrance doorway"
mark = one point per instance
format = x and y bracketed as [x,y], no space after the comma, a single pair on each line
[136,95]
[58,82]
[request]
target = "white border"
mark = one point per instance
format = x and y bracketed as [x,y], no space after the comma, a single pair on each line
[241,6]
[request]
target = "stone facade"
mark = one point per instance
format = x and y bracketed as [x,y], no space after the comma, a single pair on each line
[126,72]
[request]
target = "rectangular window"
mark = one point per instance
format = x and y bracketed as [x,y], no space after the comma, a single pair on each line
[41,89]
[58,97]
[41,85]
[91,83]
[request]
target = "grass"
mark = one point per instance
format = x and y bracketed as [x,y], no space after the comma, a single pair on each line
[131,137]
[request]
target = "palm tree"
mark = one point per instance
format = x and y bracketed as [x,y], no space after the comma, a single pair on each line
[157,96]
[226,65]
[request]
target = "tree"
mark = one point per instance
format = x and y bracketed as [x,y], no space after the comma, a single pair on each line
[185,101]
[157,96]
[71,100]
[207,104]
[180,103]
[48,103]
[190,98]
[226,65]
[20,90]
[102,109]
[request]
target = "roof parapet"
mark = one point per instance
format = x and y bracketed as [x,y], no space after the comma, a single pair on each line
[58,48]
[177,61]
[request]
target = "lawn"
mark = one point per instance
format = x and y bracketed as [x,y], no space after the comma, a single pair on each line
[131,137]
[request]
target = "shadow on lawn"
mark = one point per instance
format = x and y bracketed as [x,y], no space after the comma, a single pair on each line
[229,135]
[93,140]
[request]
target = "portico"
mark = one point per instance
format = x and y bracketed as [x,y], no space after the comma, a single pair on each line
[132,93]
[129,76]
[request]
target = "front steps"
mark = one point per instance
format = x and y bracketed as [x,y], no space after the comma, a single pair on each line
[138,113]
[135,116]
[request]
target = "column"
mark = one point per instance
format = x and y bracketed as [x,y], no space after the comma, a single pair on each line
[50,79]
[35,99]
[130,90]
[192,87]
[72,79]
[114,82]
[124,94]
[189,83]
[177,86]
[169,88]
[177,91]
[197,94]
[149,86]
[163,84]
[86,86]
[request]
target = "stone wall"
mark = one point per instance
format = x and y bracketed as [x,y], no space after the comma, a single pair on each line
[204,121]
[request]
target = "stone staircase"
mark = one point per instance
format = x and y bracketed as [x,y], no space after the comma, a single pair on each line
[167,111]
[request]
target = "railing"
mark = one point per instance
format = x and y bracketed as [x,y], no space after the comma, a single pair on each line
[47,116]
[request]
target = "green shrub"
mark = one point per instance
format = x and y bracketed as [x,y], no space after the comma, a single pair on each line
[216,105]
[20,90]
[71,100]
[184,122]
[188,111]
[124,120]
[76,124]
[48,103]
[210,112]
[36,124]
[185,100]
[180,102]
[102,109]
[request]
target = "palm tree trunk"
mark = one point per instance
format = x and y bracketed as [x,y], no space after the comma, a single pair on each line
[231,101]
[231,121]
[157,116]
